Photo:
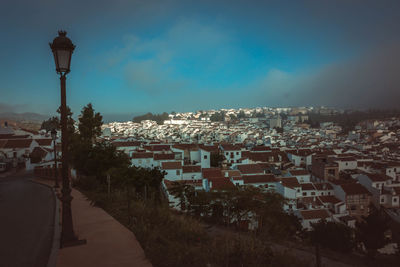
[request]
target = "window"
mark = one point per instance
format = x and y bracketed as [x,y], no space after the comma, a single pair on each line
[347,164]
[237,153]
[395,199]
[331,171]
[353,207]
[313,193]
[178,172]
[147,161]
[304,194]
[205,156]
[322,193]
[382,200]
[140,161]
[227,153]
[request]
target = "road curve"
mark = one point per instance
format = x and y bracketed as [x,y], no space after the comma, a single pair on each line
[26,222]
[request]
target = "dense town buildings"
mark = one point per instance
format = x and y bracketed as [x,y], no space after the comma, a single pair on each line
[321,172]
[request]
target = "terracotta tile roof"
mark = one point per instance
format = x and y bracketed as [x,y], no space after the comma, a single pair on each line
[191,168]
[307,187]
[376,177]
[164,156]
[220,183]
[44,142]
[329,199]
[230,147]
[323,186]
[190,147]
[290,182]
[213,148]
[142,155]
[231,173]
[171,165]
[158,147]
[261,148]
[125,143]
[255,179]
[250,168]
[212,173]
[18,143]
[354,189]
[314,214]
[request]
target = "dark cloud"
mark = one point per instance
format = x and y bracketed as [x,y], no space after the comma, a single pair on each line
[369,80]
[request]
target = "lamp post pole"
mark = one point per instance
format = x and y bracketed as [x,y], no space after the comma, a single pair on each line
[54,135]
[62,48]
[67,232]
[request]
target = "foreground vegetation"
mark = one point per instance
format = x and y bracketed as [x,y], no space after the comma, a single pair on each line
[172,239]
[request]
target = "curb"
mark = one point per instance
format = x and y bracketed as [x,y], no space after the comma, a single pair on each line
[56,233]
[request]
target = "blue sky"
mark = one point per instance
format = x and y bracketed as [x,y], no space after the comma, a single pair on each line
[140,56]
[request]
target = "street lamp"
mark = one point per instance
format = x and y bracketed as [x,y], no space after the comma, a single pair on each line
[62,49]
[54,137]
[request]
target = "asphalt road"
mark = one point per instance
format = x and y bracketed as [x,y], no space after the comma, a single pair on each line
[26,222]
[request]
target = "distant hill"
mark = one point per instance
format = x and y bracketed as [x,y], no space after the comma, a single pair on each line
[26,116]
[26,120]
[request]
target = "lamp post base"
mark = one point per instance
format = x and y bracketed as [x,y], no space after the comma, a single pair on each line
[73,243]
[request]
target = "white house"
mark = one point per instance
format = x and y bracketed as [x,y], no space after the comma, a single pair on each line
[173,170]
[300,157]
[191,172]
[347,163]
[142,159]
[290,189]
[232,153]
[205,158]
[379,185]
[309,217]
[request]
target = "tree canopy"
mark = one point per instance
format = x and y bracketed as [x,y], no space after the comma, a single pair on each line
[89,124]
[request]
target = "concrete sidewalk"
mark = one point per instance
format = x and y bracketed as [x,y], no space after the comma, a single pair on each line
[109,243]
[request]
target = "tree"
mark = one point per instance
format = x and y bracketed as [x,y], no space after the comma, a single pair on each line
[50,124]
[89,124]
[371,231]
[241,115]
[333,235]
[98,159]
[216,159]
[218,116]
